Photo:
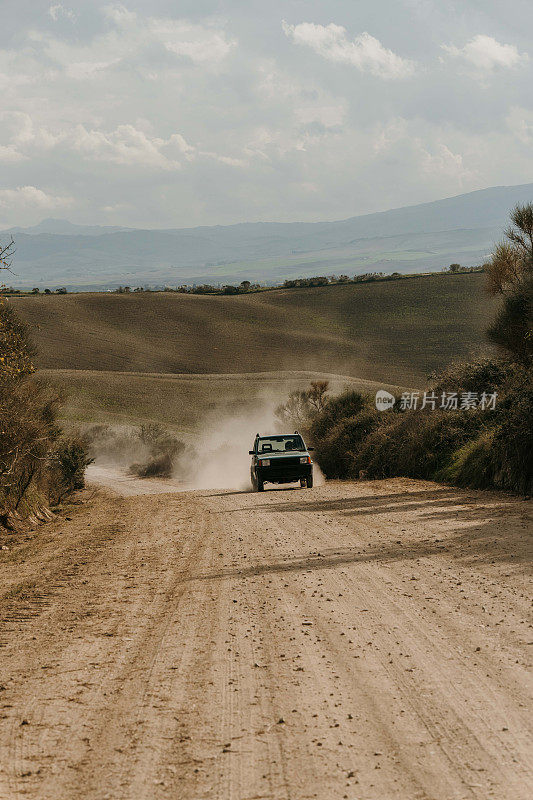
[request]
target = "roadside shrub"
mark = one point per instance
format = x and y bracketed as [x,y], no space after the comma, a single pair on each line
[477,448]
[28,431]
[510,274]
[336,452]
[27,420]
[164,450]
[482,375]
[160,466]
[16,350]
[512,330]
[512,445]
[415,444]
[67,464]
[336,409]
[36,465]
[115,444]
[302,406]
[472,464]
[147,451]
[501,456]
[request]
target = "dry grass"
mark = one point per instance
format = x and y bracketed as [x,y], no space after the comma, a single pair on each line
[393,332]
[175,359]
[180,402]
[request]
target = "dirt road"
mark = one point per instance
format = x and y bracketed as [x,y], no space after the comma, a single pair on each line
[366,641]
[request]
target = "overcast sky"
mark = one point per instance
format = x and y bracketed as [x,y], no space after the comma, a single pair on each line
[174,114]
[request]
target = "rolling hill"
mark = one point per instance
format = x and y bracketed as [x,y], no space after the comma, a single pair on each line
[395,332]
[412,239]
[178,358]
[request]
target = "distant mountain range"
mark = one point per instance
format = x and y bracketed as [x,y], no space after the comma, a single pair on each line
[417,238]
[62,227]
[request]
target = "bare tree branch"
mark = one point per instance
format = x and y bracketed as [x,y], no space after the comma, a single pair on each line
[7,252]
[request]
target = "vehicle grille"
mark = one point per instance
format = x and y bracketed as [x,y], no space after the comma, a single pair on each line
[286,469]
[289,461]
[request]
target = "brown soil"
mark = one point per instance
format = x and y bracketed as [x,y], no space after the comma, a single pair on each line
[358,640]
[395,332]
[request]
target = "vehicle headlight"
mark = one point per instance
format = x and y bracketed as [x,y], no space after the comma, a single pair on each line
[305,460]
[264,462]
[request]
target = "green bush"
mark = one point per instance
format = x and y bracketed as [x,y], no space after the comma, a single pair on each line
[336,409]
[501,456]
[512,330]
[337,451]
[478,448]
[512,449]
[483,375]
[415,444]
[472,464]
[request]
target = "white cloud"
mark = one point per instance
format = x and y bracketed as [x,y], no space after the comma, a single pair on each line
[520,123]
[10,153]
[307,104]
[365,52]
[19,131]
[126,145]
[163,120]
[129,146]
[119,14]
[87,70]
[28,197]
[485,54]
[202,43]
[199,43]
[443,161]
[57,10]
[431,153]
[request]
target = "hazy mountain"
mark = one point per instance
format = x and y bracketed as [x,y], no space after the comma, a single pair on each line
[416,238]
[65,228]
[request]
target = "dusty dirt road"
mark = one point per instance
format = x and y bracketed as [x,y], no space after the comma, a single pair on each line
[361,641]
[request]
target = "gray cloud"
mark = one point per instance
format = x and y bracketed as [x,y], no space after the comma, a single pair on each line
[134,114]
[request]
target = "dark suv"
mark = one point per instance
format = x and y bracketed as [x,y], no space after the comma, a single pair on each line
[280,459]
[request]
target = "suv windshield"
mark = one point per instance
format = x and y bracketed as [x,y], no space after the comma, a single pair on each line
[279,444]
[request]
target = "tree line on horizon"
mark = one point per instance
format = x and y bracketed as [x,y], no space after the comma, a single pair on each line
[248,287]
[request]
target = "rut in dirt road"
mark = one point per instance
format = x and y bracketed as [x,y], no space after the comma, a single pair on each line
[366,640]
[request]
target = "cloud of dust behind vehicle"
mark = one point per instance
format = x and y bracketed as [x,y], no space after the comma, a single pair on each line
[222,459]
[148,450]
[115,445]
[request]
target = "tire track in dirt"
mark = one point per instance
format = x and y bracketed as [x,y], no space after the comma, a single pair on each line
[293,644]
[448,700]
[447,722]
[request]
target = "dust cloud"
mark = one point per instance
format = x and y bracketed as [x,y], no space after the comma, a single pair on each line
[115,445]
[215,458]
[222,459]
